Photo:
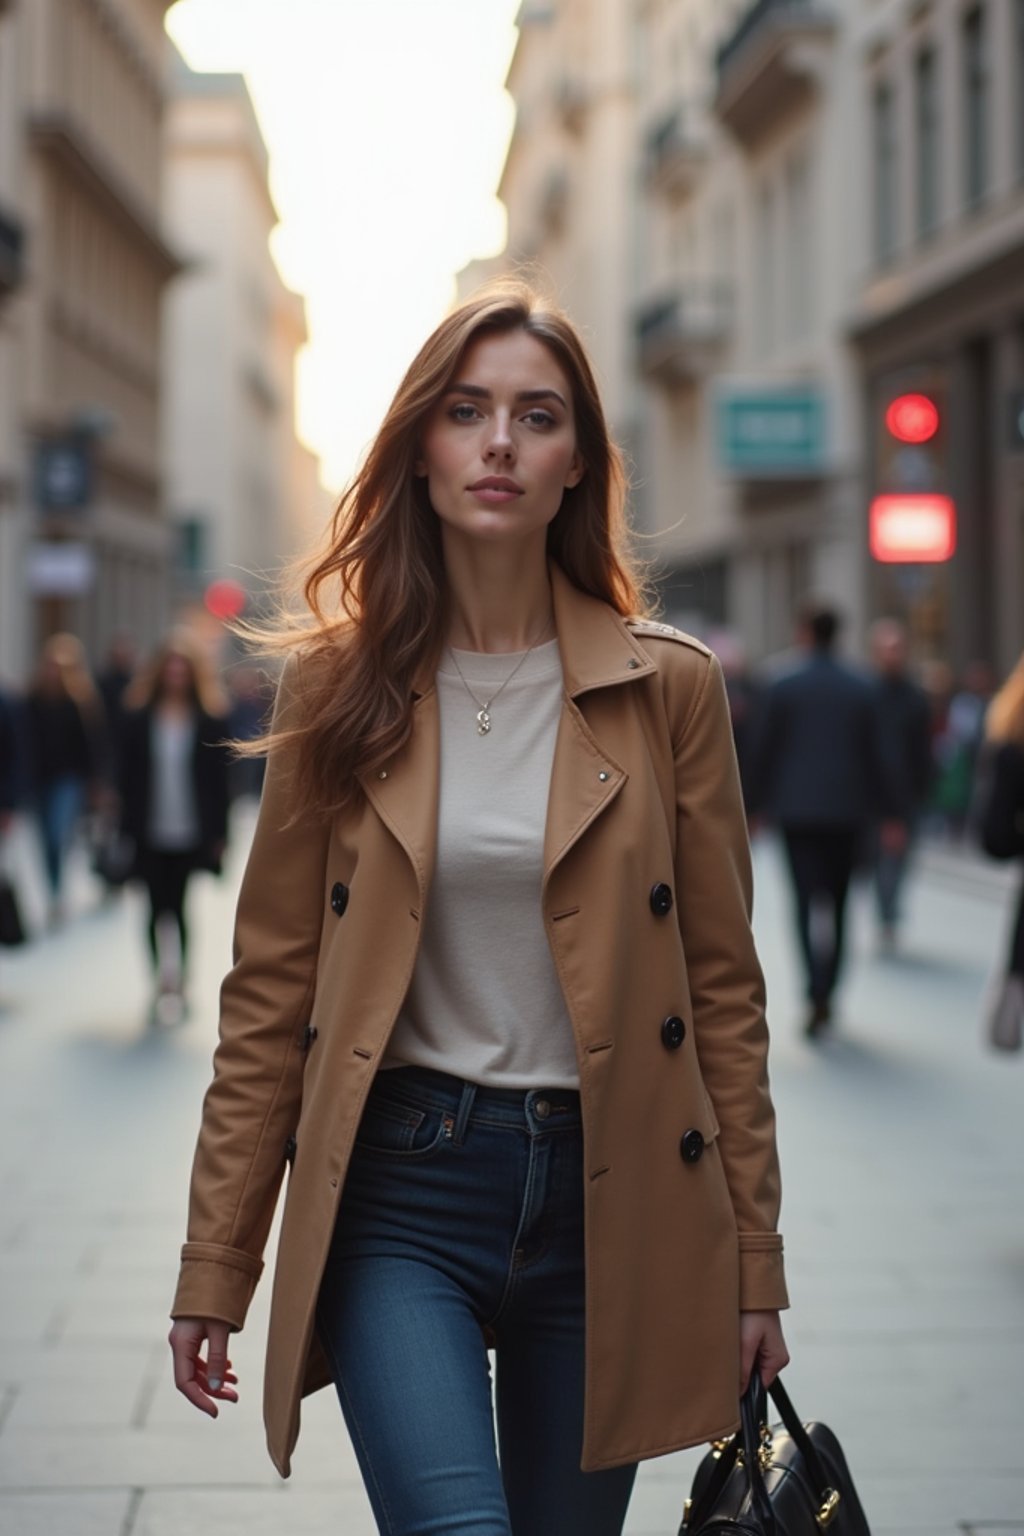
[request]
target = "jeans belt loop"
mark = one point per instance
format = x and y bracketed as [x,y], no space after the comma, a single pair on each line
[464,1111]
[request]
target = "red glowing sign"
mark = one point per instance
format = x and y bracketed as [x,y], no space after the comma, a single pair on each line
[225,599]
[910,529]
[912,418]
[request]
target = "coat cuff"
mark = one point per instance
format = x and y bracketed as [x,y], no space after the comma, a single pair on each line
[762,1280]
[216,1282]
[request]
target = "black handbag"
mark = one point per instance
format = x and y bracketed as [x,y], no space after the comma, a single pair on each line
[789,1479]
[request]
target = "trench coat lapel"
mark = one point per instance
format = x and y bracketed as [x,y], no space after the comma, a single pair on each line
[404,793]
[597,651]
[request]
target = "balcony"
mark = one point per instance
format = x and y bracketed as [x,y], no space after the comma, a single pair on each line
[12,254]
[674,154]
[772,64]
[680,336]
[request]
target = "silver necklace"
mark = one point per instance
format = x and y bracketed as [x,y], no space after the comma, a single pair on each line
[483,718]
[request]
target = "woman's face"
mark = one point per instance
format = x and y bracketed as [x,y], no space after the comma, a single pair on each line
[176,676]
[499,449]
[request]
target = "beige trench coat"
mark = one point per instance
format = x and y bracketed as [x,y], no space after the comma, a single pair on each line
[644,793]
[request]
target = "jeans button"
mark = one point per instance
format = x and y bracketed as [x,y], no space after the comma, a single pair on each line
[542,1109]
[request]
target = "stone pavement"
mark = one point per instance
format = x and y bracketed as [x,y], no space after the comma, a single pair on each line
[903,1151]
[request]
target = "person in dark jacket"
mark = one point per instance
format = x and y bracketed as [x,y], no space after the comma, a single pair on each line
[10,782]
[1001,828]
[64,735]
[174,794]
[815,773]
[905,750]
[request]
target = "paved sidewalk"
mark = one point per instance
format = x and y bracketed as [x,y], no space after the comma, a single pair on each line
[903,1155]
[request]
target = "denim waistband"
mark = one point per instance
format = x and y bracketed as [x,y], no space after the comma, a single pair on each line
[534,1109]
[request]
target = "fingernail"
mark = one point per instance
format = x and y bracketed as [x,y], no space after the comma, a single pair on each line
[214,1383]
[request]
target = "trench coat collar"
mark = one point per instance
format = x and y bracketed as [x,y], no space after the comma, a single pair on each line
[596,646]
[597,651]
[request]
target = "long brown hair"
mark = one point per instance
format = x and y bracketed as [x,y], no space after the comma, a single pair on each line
[145,688]
[376,593]
[1004,718]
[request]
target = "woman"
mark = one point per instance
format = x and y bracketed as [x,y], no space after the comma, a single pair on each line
[496,903]
[64,722]
[173,766]
[1002,835]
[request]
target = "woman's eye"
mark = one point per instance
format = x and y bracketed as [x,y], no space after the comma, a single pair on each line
[539,419]
[463,412]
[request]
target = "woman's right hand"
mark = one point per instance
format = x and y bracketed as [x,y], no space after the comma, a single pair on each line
[201,1380]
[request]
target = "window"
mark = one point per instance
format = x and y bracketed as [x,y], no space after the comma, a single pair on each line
[926,110]
[884,132]
[975,62]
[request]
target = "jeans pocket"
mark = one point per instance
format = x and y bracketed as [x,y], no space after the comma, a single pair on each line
[390,1129]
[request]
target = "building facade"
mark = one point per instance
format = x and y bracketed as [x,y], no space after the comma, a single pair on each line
[784,259]
[84,542]
[242,491]
[940,302]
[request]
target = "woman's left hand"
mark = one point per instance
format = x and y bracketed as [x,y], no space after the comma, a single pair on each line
[761,1344]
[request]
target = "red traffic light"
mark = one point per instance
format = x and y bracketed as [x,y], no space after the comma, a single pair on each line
[225,598]
[912,418]
[912,529]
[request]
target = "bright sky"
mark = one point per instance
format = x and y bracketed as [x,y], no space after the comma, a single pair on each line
[387,125]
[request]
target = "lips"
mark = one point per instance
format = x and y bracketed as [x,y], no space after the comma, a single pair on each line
[496,488]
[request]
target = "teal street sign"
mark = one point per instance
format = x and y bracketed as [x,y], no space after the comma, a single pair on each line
[768,432]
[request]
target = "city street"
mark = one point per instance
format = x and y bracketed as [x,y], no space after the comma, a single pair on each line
[902,1139]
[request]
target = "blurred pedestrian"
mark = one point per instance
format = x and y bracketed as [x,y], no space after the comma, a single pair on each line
[816,775]
[12,929]
[10,776]
[113,681]
[110,861]
[250,709]
[905,752]
[958,745]
[64,734]
[1001,826]
[494,975]
[744,693]
[174,796]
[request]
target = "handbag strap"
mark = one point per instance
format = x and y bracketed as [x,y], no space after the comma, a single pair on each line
[752,1416]
[780,1397]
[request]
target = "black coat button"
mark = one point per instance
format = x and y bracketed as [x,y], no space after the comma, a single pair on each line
[661,899]
[691,1148]
[308,1036]
[291,1146]
[339,898]
[673,1032]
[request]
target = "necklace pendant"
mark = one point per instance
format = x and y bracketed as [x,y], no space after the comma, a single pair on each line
[483,723]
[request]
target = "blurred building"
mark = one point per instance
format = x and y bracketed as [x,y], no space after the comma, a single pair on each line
[83,540]
[243,491]
[940,304]
[768,219]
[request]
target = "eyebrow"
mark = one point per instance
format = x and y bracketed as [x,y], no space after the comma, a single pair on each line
[477,392]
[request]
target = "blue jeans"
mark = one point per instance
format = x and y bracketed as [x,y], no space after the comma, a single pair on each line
[58,807]
[461,1224]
